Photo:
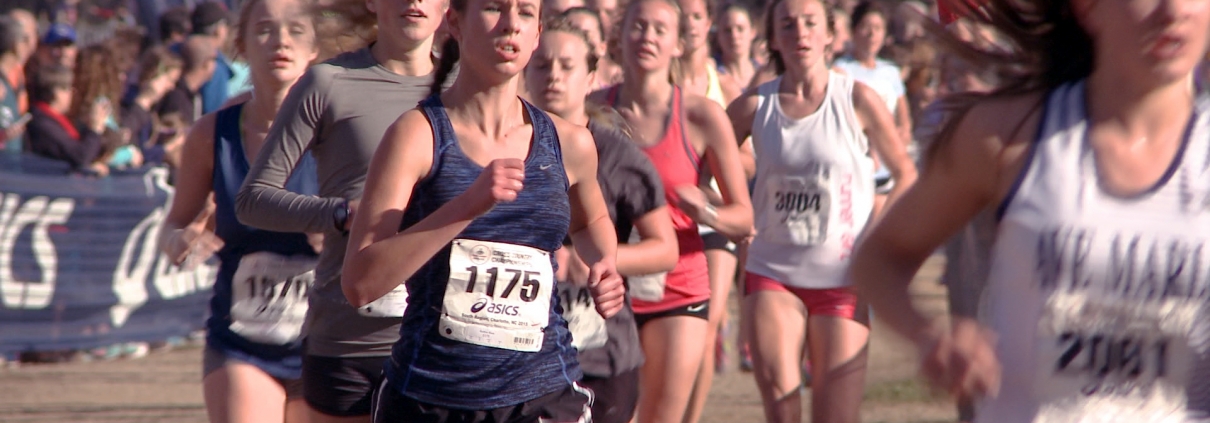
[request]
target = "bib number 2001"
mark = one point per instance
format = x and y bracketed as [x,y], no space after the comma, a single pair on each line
[1111,362]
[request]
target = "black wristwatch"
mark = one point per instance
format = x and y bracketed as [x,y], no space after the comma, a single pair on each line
[340,217]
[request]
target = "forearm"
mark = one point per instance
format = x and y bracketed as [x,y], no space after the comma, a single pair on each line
[733,221]
[645,257]
[276,209]
[596,241]
[882,279]
[373,271]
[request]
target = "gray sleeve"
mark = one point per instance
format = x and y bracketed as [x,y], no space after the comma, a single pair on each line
[263,201]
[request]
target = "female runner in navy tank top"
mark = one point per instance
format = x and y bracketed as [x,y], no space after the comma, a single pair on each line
[680,133]
[466,200]
[1093,159]
[253,340]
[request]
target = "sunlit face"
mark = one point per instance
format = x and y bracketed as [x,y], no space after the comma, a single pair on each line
[606,9]
[1154,40]
[801,34]
[651,35]
[407,22]
[870,34]
[557,77]
[497,36]
[840,37]
[164,82]
[590,26]
[735,34]
[279,40]
[697,29]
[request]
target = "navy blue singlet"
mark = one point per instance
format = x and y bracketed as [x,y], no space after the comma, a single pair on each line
[426,364]
[230,168]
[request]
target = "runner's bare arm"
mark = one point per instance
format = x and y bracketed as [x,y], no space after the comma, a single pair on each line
[710,122]
[657,249]
[194,184]
[742,112]
[592,231]
[970,174]
[884,138]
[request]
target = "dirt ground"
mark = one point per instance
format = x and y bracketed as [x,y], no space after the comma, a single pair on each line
[165,387]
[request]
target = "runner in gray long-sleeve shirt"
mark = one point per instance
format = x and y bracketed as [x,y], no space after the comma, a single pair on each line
[339,111]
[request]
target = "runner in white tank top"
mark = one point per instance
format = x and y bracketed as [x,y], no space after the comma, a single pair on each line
[1115,283]
[812,130]
[814,188]
[1101,180]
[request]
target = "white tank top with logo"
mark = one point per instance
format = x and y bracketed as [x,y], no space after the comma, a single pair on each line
[814,188]
[1098,300]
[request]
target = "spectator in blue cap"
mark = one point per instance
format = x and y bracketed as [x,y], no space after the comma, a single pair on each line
[58,47]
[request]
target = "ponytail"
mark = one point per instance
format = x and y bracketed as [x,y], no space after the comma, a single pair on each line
[449,56]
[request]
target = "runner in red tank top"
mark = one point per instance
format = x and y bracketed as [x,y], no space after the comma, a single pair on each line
[680,133]
[678,165]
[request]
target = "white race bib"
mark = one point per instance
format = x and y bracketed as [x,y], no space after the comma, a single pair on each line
[498,295]
[580,311]
[269,297]
[648,288]
[798,210]
[393,304]
[1108,356]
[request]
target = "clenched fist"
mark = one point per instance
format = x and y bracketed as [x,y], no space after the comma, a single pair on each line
[607,289]
[500,182]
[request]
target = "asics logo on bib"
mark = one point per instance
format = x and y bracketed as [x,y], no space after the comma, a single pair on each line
[494,308]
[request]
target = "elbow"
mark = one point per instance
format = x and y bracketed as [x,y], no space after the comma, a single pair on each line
[244,200]
[349,285]
[670,254]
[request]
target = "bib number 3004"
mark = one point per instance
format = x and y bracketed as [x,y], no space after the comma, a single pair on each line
[798,210]
[498,295]
[269,297]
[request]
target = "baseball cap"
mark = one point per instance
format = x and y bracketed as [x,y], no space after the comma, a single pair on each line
[207,14]
[60,34]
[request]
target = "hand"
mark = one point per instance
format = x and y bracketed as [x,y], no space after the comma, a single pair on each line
[607,289]
[193,245]
[100,169]
[962,361]
[500,182]
[317,242]
[695,203]
[14,131]
[136,157]
[100,114]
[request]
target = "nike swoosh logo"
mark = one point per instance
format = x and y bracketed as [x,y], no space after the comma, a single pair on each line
[544,167]
[696,308]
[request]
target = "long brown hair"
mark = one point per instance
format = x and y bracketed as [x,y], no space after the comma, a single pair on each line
[342,26]
[96,75]
[1047,48]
